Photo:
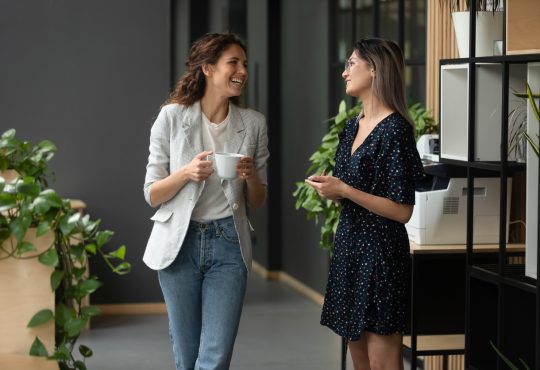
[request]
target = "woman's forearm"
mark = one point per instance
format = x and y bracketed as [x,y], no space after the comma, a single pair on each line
[166,188]
[379,205]
[255,192]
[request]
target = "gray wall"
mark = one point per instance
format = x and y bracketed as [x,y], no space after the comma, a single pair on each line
[304,109]
[90,76]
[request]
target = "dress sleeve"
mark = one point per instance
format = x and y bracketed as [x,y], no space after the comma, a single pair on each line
[402,165]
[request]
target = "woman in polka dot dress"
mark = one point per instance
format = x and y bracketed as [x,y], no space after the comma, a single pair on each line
[377,165]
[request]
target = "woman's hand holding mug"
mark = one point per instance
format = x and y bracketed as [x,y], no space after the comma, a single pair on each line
[200,168]
[245,168]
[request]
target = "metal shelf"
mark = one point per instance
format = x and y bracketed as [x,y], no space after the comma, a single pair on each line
[512,276]
[511,167]
[523,58]
[471,72]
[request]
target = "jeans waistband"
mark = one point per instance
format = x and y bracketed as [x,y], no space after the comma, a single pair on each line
[209,225]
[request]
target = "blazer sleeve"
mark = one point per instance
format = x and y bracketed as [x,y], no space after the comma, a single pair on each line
[158,159]
[261,155]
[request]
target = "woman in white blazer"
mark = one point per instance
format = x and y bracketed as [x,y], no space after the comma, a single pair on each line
[200,242]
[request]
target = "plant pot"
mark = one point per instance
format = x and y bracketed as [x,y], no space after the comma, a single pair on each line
[24,290]
[488,32]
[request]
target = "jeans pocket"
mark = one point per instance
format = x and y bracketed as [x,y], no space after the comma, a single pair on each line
[228,232]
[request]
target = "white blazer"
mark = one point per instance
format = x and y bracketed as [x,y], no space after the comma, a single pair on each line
[175,139]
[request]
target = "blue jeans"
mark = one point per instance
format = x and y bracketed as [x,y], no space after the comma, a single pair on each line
[204,291]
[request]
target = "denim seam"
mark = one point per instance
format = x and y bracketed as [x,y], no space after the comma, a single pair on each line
[201,251]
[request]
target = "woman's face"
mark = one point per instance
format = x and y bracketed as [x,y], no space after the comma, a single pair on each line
[358,75]
[228,76]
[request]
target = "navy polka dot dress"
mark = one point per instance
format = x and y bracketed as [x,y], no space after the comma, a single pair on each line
[370,269]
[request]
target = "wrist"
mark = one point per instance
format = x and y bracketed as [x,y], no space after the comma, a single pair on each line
[344,191]
[181,175]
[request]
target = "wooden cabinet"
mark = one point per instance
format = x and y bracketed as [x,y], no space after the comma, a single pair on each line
[522,27]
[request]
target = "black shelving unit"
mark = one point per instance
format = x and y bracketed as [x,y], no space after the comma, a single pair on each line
[502,304]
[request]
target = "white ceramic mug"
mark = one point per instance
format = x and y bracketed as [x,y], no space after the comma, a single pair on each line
[225,164]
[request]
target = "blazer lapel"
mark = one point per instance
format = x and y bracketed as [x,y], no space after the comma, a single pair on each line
[191,124]
[237,131]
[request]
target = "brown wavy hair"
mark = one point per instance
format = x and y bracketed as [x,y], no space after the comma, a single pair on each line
[206,50]
[386,58]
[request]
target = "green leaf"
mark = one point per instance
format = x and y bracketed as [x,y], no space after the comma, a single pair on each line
[85,351]
[19,226]
[49,258]
[535,109]
[74,218]
[40,318]
[90,311]
[9,134]
[103,237]
[63,314]
[91,248]
[52,198]
[89,286]
[28,187]
[25,247]
[503,357]
[123,268]
[77,250]
[62,354]
[38,349]
[79,365]
[56,279]
[66,227]
[524,364]
[40,205]
[43,228]
[46,149]
[73,327]
[120,253]
[78,272]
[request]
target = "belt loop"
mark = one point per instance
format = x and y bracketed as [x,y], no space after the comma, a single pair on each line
[217,226]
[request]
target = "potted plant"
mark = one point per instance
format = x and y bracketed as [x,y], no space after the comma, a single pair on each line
[536,112]
[30,211]
[489,20]
[322,161]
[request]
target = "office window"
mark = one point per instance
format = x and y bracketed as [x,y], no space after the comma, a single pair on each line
[403,21]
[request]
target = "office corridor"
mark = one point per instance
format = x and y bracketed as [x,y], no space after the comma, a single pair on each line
[279,330]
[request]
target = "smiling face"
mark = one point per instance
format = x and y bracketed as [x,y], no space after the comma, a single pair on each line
[358,75]
[228,76]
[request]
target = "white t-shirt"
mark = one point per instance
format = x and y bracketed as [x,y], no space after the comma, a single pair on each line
[212,204]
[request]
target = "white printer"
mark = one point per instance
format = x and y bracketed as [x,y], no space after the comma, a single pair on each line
[439,215]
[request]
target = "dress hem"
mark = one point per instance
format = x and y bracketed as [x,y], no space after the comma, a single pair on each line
[356,337]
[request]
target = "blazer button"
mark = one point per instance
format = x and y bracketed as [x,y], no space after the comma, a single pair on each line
[235,206]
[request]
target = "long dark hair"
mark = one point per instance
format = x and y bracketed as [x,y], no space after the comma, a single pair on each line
[386,58]
[206,50]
